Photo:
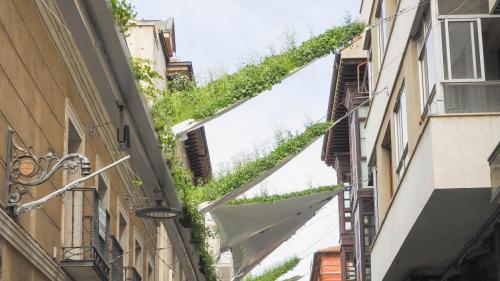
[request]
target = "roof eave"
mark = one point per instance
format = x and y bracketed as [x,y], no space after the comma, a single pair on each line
[330,104]
[107,58]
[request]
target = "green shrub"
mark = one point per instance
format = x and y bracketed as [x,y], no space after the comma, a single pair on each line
[288,146]
[279,197]
[253,79]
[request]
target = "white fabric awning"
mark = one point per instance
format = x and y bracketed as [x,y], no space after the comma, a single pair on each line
[253,231]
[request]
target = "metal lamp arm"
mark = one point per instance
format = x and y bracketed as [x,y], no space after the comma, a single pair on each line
[38,203]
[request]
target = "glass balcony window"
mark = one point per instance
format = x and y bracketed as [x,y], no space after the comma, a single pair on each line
[471,64]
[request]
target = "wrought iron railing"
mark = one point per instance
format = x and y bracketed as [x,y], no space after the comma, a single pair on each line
[86,237]
[131,274]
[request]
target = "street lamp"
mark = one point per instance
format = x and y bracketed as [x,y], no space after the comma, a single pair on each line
[157,212]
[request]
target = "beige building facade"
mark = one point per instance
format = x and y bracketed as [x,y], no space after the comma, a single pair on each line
[66,88]
[432,123]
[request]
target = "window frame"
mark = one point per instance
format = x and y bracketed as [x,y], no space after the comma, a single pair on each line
[123,213]
[400,130]
[426,30]
[382,31]
[150,263]
[140,268]
[71,119]
[107,182]
[447,64]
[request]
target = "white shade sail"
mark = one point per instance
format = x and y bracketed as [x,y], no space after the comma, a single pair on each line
[252,231]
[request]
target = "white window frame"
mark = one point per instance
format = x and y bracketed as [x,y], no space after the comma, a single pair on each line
[123,213]
[149,262]
[401,130]
[139,268]
[369,61]
[107,182]
[482,75]
[70,118]
[382,30]
[426,31]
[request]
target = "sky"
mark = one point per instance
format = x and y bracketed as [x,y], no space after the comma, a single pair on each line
[220,36]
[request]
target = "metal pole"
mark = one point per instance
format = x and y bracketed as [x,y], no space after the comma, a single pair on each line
[38,203]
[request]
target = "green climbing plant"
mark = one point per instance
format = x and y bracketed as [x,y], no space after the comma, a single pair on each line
[273,273]
[287,145]
[124,15]
[146,75]
[279,197]
[189,101]
[203,102]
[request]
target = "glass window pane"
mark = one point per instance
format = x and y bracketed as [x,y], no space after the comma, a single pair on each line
[491,47]
[461,7]
[477,52]
[429,61]
[444,50]
[404,122]
[461,50]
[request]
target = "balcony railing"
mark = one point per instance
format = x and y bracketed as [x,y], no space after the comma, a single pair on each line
[86,237]
[131,274]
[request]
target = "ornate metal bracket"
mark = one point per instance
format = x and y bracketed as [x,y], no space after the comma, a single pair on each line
[25,169]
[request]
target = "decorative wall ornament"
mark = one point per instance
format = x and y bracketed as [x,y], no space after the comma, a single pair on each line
[25,168]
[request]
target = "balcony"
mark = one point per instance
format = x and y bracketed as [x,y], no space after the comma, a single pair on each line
[131,274]
[85,254]
[442,200]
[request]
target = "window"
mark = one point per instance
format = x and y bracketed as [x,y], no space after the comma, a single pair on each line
[358,244]
[471,55]
[425,45]
[138,255]
[72,205]
[347,221]
[123,232]
[347,202]
[490,34]
[382,29]
[150,270]
[103,183]
[369,231]
[351,269]
[369,70]
[401,129]
[461,50]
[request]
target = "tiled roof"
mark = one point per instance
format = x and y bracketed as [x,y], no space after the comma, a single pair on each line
[332,249]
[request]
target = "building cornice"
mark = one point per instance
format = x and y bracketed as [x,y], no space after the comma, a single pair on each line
[31,250]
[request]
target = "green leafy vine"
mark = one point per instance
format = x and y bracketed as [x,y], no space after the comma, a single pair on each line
[279,197]
[253,79]
[124,15]
[276,272]
[189,101]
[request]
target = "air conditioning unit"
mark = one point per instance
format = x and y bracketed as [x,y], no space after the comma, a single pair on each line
[494,7]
